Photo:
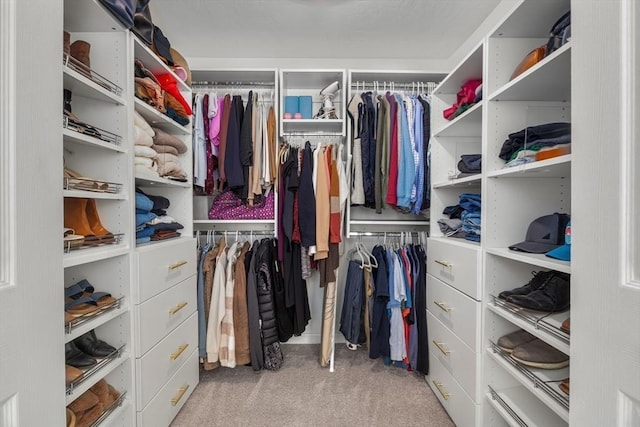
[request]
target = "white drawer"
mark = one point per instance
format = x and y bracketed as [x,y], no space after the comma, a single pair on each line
[166,404]
[163,360]
[163,313]
[455,310]
[455,263]
[461,361]
[462,410]
[164,265]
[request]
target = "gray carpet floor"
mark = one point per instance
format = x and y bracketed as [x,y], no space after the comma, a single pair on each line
[361,392]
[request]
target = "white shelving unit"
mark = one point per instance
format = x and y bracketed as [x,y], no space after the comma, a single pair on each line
[506,393]
[102,99]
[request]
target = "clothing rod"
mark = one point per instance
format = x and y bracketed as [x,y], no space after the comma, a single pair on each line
[403,85]
[233,84]
[383,233]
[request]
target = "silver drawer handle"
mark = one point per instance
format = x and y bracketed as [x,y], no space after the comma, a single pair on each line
[177,265]
[443,263]
[441,348]
[181,391]
[444,394]
[442,306]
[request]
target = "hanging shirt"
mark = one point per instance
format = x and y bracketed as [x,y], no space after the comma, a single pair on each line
[420,165]
[357,189]
[199,149]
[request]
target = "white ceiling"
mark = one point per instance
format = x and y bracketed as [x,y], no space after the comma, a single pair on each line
[429,29]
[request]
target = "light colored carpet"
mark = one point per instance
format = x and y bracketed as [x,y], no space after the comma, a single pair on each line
[361,392]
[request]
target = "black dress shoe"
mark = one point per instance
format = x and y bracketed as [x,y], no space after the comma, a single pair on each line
[76,358]
[90,344]
[552,297]
[539,278]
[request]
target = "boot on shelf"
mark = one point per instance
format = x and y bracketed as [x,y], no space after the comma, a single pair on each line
[98,229]
[80,51]
[75,216]
[66,47]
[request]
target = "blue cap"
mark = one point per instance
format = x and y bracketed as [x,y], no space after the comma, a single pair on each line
[563,252]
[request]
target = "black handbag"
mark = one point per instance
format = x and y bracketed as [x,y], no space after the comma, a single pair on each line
[142,23]
[122,10]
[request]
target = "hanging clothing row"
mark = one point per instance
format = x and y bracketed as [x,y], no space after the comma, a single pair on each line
[311,207]
[390,137]
[384,304]
[234,143]
[241,314]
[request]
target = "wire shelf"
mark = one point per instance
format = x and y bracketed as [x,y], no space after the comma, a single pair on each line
[75,65]
[84,318]
[88,184]
[87,374]
[91,131]
[89,242]
[115,405]
[495,396]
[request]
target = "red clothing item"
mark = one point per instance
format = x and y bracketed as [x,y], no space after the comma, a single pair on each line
[334,199]
[392,183]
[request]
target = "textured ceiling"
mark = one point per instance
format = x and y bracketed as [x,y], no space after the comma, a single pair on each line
[430,29]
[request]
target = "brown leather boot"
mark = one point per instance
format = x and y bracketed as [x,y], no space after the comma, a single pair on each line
[66,48]
[75,216]
[80,51]
[94,219]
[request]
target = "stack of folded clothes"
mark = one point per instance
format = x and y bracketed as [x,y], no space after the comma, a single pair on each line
[536,143]
[470,93]
[146,158]
[152,221]
[168,147]
[469,164]
[464,218]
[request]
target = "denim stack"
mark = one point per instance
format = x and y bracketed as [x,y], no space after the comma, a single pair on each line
[143,215]
[463,220]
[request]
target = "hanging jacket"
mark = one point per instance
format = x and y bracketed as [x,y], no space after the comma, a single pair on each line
[246,147]
[253,309]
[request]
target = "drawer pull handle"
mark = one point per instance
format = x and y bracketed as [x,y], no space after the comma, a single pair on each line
[178,352]
[443,263]
[441,348]
[442,306]
[444,394]
[177,265]
[177,308]
[177,397]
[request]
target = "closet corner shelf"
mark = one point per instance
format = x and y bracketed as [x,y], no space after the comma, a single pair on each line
[161,182]
[557,167]
[548,80]
[159,120]
[89,16]
[100,374]
[544,326]
[540,260]
[71,136]
[468,123]
[543,383]
[470,67]
[155,64]
[329,126]
[467,181]
[519,408]
[80,85]
[85,256]
[74,331]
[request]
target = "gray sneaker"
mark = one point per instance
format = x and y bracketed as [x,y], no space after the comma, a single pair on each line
[514,339]
[539,354]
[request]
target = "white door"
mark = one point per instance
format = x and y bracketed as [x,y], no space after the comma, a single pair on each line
[31,296]
[605,313]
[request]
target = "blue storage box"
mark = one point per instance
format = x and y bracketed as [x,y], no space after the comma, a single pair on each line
[291,104]
[306,107]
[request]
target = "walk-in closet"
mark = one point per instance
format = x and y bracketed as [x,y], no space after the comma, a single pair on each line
[319,212]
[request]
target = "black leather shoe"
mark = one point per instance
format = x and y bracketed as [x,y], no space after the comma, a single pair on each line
[91,345]
[538,279]
[77,358]
[551,297]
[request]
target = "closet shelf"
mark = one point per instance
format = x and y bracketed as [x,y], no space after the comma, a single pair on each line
[89,16]
[159,120]
[156,243]
[80,85]
[235,225]
[161,182]
[544,326]
[93,195]
[467,181]
[459,242]
[470,67]
[539,260]
[89,373]
[543,383]
[155,64]
[74,258]
[84,324]
[468,123]
[96,376]
[519,408]
[548,80]
[328,126]
[71,136]
[557,167]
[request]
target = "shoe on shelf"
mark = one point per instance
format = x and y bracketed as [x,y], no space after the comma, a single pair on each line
[75,216]
[514,339]
[553,296]
[80,51]
[84,402]
[66,43]
[72,374]
[539,354]
[564,386]
[94,220]
[566,325]
[71,418]
[77,358]
[90,416]
[89,344]
[538,279]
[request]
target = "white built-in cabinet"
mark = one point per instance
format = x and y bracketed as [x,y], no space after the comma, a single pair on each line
[476,382]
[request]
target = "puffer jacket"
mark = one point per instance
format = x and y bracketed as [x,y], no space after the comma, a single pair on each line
[269,328]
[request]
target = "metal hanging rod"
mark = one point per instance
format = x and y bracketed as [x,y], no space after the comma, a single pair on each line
[417,86]
[233,83]
[383,233]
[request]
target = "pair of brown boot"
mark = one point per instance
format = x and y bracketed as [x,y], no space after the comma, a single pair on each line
[91,404]
[79,50]
[81,215]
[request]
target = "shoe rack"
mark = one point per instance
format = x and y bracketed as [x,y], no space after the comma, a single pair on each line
[99,150]
[477,383]
[360,218]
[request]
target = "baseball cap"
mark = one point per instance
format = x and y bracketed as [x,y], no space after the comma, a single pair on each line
[544,234]
[563,252]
